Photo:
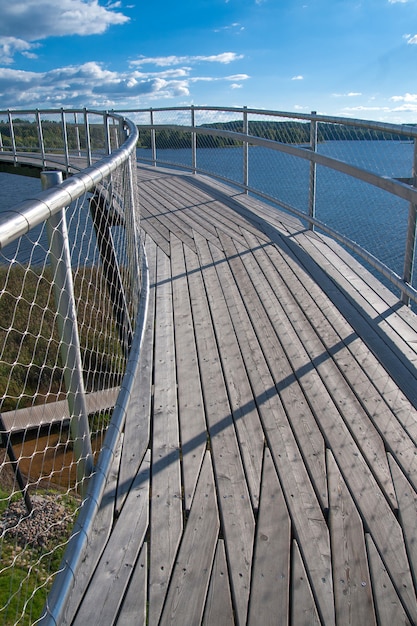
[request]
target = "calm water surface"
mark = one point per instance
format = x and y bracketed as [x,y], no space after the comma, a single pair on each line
[371,217]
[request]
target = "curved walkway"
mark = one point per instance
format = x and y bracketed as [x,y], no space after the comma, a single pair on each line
[268,470]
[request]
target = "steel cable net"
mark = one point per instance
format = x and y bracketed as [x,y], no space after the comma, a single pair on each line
[353,207]
[40,485]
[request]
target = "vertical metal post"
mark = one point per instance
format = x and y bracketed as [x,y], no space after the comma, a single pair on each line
[132,226]
[1,144]
[87,138]
[65,139]
[411,233]
[313,167]
[77,135]
[153,141]
[106,121]
[193,142]
[245,151]
[12,137]
[68,331]
[40,137]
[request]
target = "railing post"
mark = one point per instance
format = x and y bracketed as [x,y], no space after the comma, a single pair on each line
[1,144]
[12,137]
[40,137]
[245,150]
[107,132]
[77,135]
[313,167]
[193,142]
[153,140]
[65,139]
[87,138]
[411,233]
[68,331]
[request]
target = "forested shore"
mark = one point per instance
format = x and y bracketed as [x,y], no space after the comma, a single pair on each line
[27,136]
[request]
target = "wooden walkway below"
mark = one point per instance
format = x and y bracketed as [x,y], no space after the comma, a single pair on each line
[269,472]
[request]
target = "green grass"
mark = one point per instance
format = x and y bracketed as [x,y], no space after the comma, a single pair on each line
[30,372]
[25,577]
[30,365]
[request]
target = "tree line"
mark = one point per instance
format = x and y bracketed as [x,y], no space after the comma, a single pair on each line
[26,134]
[27,137]
[283,132]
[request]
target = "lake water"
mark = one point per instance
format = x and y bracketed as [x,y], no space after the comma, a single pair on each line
[369,216]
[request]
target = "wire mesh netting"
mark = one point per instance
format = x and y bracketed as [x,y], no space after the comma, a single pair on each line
[45,337]
[352,207]
[49,437]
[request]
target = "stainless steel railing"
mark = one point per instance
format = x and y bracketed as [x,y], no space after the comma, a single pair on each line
[73,298]
[308,143]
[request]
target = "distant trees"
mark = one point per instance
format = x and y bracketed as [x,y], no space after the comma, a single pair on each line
[283,132]
[27,137]
[26,134]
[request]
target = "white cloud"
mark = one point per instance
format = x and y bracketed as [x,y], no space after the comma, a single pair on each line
[397,1]
[350,94]
[9,46]
[235,28]
[168,61]
[236,85]
[24,22]
[91,84]
[408,97]
[411,39]
[237,77]
[363,109]
[299,77]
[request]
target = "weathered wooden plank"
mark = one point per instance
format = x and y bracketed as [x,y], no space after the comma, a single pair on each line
[305,511]
[216,212]
[190,578]
[284,285]
[100,533]
[133,610]
[111,577]
[166,505]
[190,401]
[380,298]
[253,210]
[352,585]
[407,504]
[245,415]
[368,325]
[309,438]
[137,425]
[234,499]
[368,380]
[219,609]
[151,227]
[270,589]
[169,219]
[303,607]
[366,492]
[188,213]
[388,605]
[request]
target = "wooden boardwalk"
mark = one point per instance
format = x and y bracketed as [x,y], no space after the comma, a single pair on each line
[269,473]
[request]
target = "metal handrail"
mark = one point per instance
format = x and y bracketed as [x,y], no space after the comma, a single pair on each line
[398,188]
[48,206]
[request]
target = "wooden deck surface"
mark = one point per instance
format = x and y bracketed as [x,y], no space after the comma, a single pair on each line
[269,473]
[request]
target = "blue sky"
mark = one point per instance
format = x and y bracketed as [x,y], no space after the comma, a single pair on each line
[355,58]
